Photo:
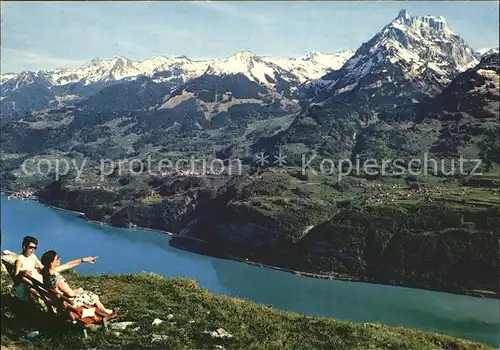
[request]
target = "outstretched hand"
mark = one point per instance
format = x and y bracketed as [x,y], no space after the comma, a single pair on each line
[91,259]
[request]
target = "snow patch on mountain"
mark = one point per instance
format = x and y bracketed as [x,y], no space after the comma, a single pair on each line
[313,65]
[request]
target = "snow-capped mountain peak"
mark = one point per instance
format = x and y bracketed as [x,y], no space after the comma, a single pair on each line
[100,63]
[417,51]
[429,37]
[312,56]
[322,57]
[427,25]
[243,55]
[95,62]
[403,15]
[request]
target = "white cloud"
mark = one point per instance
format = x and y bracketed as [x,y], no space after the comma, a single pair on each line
[18,60]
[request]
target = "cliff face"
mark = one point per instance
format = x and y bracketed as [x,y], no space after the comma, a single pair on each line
[171,207]
[431,246]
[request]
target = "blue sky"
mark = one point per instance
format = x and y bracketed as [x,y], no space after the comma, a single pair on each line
[47,35]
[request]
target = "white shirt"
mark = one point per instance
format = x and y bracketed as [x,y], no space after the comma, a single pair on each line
[28,263]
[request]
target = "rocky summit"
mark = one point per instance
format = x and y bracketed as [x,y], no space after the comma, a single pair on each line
[409,59]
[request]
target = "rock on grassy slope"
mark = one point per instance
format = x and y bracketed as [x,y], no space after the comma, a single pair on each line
[194,318]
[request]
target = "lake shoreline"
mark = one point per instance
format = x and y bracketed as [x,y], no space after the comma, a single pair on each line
[198,246]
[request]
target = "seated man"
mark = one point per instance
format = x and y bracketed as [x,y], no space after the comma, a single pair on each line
[26,264]
[53,279]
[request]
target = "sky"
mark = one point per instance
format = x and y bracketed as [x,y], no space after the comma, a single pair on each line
[49,35]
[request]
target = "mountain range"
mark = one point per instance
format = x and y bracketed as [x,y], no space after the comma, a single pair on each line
[27,91]
[338,104]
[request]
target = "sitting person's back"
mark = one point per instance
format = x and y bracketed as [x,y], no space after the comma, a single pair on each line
[26,264]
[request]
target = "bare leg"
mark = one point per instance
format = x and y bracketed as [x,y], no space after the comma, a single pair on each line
[101,307]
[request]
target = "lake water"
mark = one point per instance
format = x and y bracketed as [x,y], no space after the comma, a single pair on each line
[132,250]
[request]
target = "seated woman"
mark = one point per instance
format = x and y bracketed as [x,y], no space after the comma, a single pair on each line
[26,264]
[52,278]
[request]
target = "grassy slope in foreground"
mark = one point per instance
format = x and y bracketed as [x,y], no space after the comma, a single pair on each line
[144,297]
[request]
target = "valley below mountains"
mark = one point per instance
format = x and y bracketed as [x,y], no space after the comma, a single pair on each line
[415,88]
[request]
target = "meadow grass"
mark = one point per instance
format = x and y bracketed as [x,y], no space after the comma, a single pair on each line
[189,313]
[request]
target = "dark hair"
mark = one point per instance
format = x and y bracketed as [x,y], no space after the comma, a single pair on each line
[27,240]
[46,259]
